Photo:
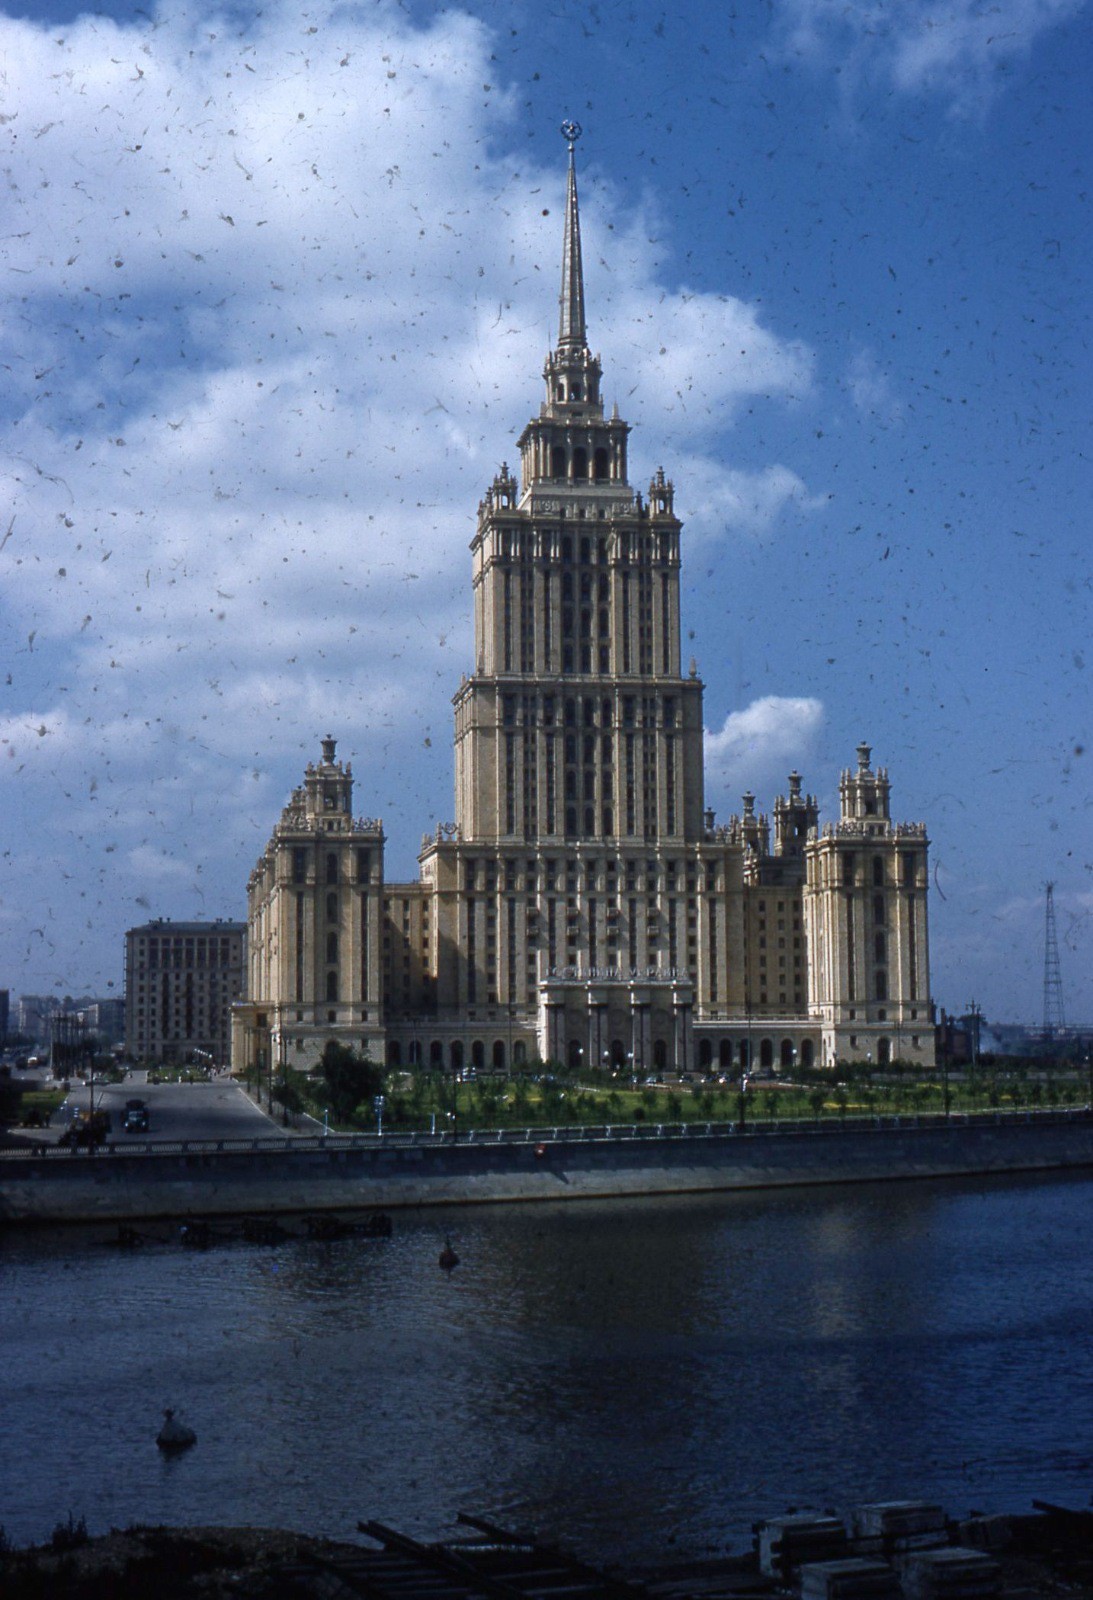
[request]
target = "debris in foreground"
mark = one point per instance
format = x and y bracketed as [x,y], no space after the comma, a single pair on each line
[1046,1554]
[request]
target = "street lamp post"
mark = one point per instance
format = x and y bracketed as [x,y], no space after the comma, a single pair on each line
[975,1014]
[281,1045]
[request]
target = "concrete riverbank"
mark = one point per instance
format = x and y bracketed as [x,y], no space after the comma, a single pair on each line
[120,1186]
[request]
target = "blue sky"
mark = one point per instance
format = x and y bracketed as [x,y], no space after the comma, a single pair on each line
[278,285]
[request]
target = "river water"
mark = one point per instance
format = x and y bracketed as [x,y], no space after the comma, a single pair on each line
[639,1379]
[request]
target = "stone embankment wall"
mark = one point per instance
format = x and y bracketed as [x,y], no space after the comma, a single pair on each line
[119,1187]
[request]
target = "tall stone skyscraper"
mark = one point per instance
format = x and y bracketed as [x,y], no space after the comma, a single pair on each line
[583,906]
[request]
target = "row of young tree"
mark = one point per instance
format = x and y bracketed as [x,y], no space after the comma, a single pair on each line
[345,1087]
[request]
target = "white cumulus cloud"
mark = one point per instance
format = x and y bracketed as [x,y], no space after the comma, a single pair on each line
[714,499]
[755,748]
[957,48]
[273,330]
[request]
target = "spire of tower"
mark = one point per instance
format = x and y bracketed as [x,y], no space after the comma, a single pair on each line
[571,329]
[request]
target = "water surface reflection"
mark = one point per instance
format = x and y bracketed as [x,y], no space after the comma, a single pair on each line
[614,1375]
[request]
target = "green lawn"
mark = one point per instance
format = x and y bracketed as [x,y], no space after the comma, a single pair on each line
[424,1100]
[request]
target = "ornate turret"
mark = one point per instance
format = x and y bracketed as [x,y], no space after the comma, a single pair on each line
[863,795]
[328,790]
[794,819]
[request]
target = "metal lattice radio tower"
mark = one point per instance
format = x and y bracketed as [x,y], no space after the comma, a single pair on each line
[1054,1017]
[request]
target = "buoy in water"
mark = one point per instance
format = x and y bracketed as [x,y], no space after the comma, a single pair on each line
[174,1435]
[448,1257]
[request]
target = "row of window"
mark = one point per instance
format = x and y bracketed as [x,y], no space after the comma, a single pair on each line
[190,953]
[908,863]
[590,711]
[549,872]
[639,547]
[331,865]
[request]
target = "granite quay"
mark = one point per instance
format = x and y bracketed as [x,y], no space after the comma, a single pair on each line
[307,1174]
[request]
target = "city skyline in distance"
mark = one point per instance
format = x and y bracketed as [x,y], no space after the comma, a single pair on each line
[316,351]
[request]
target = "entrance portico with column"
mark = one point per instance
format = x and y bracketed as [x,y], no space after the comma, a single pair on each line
[642,1021]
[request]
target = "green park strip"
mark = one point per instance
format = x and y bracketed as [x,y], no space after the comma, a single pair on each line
[344,1094]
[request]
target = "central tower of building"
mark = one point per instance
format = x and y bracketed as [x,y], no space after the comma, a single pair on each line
[577,726]
[578,743]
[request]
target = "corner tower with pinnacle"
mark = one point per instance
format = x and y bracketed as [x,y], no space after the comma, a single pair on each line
[583,906]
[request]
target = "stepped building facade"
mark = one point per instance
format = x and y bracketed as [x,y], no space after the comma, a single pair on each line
[584,906]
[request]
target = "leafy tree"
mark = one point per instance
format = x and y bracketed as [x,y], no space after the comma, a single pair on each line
[488,1103]
[290,1090]
[349,1078]
[550,1097]
[10,1095]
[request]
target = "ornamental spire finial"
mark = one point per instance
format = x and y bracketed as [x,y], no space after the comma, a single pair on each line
[571,329]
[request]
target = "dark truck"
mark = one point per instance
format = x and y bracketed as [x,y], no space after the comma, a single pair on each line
[135,1119]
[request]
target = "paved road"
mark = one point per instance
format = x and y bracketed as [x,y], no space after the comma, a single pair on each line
[216,1110]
